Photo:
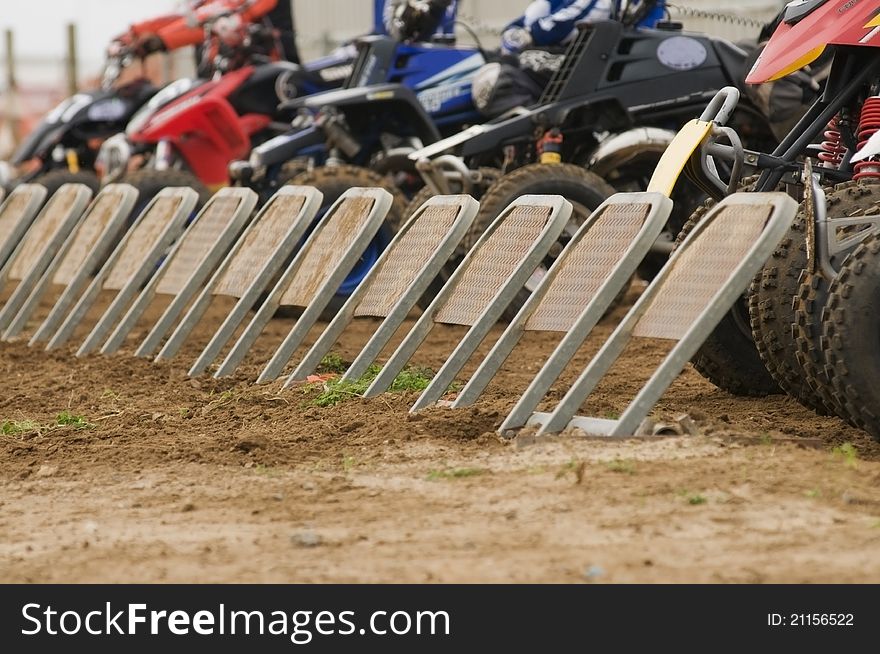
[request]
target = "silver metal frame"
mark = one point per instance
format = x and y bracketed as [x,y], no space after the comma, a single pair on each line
[298,226]
[560,212]
[127,196]
[35,201]
[223,241]
[157,249]
[618,275]
[417,286]
[783,212]
[382,201]
[53,242]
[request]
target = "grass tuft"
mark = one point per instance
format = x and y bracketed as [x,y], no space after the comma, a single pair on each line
[337,390]
[332,363]
[455,473]
[18,427]
[63,420]
[623,466]
[68,419]
[848,453]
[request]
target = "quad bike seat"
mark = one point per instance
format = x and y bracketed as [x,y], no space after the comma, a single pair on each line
[260,93]
[733,60]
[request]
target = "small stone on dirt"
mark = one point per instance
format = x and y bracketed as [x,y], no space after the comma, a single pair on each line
[522,440]
[249,444]
[47,470]
[688,426]
[187,507]
[350,427]
[851,498]
[306,539]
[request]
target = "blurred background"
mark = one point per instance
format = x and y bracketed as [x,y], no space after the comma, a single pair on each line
[51,47]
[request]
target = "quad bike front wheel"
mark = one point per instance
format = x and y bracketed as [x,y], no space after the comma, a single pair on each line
[771,303]
[585,190]
[851,340]
[150,182]
[333,181]
[847,200]
[488,176]
[55,179]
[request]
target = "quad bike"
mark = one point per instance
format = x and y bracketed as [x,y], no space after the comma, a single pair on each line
[603,122]
[399,96]
[808,325]
[63,147]
[189,133]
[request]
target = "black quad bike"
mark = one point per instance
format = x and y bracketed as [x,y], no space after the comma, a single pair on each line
[64,146]
[601,125]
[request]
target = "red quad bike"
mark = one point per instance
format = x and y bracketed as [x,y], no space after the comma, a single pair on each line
[809,323]
[190,132]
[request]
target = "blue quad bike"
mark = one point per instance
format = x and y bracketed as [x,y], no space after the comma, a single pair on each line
[399,98]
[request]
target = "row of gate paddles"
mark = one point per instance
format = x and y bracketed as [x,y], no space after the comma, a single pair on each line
[50,250]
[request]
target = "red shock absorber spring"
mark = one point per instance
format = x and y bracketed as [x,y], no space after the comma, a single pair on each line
[869,124]
[833,148]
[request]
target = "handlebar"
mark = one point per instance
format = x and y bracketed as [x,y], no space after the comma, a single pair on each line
[721,106]
[114,65]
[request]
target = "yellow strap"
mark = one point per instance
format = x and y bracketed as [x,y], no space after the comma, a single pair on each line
[72,161]
[673,161]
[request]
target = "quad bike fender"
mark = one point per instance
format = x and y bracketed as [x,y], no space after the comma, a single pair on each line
[208,135]
[380,99]
[616,150]
[601,112]
[494,135]
[286,146]
[39,142]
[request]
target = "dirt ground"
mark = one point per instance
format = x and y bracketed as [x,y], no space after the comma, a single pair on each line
[200,480]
